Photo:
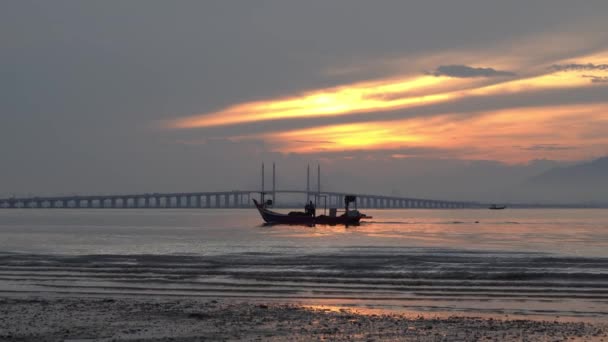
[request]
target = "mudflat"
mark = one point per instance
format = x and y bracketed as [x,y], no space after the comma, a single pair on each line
[82,318]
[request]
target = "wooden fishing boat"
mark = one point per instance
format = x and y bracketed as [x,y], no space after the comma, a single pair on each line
[348,218]
[497,207]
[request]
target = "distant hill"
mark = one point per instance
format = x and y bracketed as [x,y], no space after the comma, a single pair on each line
[585,182]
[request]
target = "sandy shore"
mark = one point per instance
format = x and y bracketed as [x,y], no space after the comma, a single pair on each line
[186,319]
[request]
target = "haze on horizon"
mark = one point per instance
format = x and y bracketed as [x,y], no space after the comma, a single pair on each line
[464,100]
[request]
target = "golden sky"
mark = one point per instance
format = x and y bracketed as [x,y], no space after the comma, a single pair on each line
[513,135]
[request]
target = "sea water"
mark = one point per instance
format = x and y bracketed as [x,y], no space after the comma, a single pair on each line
[532,262]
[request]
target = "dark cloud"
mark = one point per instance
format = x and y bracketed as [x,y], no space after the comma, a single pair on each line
[547,147]
[410,151]
[597,79]
[314,142]
[466,71]
[578,67]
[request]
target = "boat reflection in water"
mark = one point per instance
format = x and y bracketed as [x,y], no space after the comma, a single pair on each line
[350,217]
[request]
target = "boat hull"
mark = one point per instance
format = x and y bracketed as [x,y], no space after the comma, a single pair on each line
[272,217]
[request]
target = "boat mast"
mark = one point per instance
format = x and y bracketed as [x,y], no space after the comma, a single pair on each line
[307,183]
[318,183]
[273,184]
[262,193]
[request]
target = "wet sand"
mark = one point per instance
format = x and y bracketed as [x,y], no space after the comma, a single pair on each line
[107,318]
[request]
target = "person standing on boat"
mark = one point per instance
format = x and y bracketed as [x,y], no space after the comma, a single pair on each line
[309,209]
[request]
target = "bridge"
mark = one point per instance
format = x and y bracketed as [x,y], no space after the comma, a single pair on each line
[223,199]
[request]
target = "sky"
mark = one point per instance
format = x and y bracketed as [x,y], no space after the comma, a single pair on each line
[443,99]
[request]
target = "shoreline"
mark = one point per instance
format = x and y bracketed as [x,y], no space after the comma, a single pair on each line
[158,318]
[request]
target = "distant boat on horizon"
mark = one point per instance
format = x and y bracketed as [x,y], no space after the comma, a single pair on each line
[497,207]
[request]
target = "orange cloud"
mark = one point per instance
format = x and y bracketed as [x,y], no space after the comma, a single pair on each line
[512,135]
[389,94]
[359,97]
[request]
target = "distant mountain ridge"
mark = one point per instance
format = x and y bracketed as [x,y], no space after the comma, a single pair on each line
[585,182]
[596,169]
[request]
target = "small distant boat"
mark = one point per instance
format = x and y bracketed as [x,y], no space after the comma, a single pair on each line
[348,218]
[497,207]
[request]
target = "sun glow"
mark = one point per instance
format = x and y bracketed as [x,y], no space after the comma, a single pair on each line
[359,97]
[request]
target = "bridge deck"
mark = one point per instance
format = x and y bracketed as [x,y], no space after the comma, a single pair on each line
[219,199]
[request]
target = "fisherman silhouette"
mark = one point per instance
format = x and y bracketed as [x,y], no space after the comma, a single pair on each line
[309,209]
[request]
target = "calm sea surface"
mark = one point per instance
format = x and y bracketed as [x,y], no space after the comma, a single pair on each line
[497,262]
